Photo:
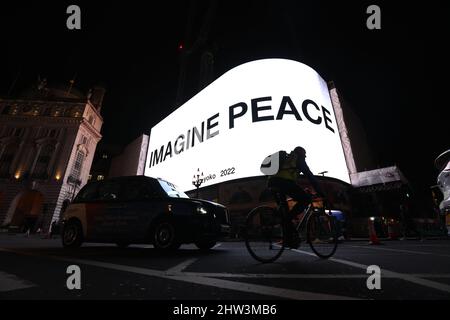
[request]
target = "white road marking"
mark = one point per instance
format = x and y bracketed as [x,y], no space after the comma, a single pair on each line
[207,281]
[402,251]
[218,283]
[429,275]
[440,245]
[259,289]
[388,273]
[10,282]
[180,267]
[308,276]
[276,276]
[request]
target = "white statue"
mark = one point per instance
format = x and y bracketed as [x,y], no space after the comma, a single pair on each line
[443,164]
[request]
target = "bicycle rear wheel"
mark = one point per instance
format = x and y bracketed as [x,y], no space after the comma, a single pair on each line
[264,234]
[321,232]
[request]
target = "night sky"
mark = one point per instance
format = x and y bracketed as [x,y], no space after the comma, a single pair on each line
[393,78]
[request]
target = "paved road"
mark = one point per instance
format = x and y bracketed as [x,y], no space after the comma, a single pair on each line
[35,268]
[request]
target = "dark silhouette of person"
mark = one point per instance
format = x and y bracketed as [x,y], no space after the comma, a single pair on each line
[284,182]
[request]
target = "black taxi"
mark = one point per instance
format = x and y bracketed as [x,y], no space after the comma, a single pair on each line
[142,210]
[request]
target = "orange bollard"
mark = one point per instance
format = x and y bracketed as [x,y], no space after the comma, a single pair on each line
[373,239]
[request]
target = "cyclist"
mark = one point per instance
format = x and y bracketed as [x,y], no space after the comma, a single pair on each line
[285,182]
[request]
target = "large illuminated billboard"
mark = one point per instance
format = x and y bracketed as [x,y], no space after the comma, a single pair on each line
[251,111]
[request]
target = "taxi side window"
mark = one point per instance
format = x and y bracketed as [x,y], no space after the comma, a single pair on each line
[108,191]
[147,191]
[89,193]
[137,190]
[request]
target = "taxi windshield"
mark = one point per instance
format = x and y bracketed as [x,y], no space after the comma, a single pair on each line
[171,190]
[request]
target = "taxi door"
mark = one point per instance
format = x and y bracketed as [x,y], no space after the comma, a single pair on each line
[108,208]
[140,201]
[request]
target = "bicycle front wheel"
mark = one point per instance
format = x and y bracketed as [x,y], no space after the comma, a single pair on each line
[321,232]
[264,234]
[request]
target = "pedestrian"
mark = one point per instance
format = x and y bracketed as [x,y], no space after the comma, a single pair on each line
[407,224]
[53,228]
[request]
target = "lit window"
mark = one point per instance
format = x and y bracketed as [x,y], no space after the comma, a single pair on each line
[100,177]
[76,169]
[43,162]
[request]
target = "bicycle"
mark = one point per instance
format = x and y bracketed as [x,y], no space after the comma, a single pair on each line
[265,230]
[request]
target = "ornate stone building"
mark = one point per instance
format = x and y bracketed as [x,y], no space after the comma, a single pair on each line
[48,137]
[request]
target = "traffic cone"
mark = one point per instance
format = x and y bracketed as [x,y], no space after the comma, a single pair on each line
[373,239]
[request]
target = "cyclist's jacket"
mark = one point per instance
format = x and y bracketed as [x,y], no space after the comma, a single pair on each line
[288,167]
[291,167]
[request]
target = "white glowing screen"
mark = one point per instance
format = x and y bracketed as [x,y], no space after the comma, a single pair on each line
[250,112]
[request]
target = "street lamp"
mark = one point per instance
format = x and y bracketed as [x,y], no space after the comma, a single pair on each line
[197,180]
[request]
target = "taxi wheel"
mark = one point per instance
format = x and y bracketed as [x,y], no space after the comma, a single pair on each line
[164,237]
[72,235]
[205,244]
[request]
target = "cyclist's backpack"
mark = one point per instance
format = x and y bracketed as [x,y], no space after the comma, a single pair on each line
[272,163]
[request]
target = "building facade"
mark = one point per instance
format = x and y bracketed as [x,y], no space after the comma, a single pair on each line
[48,137]
[103,159]
[131,162]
